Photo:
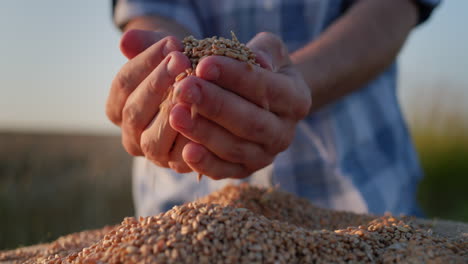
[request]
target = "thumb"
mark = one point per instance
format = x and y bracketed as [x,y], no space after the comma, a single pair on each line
[135,41]
[271,53]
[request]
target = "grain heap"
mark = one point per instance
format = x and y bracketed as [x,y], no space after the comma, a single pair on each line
[63,246]
[208,232]
[276,205]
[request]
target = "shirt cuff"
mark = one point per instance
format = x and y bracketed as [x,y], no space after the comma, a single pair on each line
[177,10]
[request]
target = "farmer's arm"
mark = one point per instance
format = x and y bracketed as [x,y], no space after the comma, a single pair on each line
[355,49]
[236,135]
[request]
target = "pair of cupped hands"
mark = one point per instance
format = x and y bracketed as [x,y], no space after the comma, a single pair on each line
[245,115]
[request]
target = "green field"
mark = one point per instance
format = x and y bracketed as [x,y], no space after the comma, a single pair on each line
[52,185]
[443,193]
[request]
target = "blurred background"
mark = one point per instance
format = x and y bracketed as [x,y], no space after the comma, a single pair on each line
[62,168]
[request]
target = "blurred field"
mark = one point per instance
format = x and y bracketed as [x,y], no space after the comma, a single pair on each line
[52,185]
[442,143]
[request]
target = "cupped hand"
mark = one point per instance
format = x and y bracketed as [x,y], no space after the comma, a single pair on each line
[137,91]
[245,115]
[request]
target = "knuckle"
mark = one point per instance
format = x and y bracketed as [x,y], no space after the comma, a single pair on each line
[122,83]
[258,127]
[236,154]
[151,152]
[130,116]
[171,40]
[149,63]
[169,44]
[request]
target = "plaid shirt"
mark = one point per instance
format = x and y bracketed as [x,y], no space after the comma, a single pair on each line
[355,154]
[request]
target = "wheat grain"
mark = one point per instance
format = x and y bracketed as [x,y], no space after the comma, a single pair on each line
[245,224]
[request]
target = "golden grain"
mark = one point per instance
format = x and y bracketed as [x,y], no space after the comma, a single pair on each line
[245,224]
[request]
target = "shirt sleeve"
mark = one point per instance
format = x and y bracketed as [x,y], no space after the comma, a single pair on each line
[181,11]
[425,8]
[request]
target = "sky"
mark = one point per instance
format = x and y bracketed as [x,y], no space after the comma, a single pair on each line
[58,58]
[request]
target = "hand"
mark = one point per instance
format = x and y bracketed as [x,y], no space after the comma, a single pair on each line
[155,59]
[245,116]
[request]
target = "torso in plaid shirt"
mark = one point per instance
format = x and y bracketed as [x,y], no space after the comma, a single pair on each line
[355,154]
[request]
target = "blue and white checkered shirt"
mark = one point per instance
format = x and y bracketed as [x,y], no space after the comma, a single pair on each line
[355,154]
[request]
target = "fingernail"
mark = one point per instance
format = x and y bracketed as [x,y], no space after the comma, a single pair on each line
[182,118]
[168,48]
[212,73]
[191,95]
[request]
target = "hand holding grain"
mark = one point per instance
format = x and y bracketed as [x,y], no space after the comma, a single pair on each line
[137,91]
[246,115]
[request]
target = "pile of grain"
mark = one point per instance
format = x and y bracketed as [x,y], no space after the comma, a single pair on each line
[277,205]
[245,224]
[61,247]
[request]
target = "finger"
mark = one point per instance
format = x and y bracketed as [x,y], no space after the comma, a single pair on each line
[218,140]
[135,41]
[235,114]
[134,72]
[176,162]
[270,50]
[204,162]
[143,104]
[158,139]
[260,86]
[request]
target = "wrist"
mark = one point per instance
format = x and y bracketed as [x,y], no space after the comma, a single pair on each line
[315,71]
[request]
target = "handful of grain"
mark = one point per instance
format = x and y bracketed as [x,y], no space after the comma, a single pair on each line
[245,224]
[196,50]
